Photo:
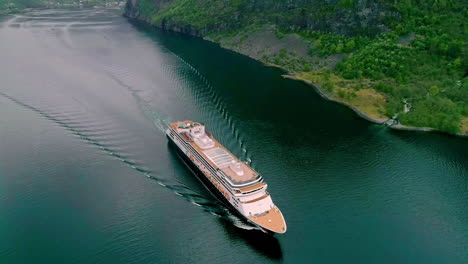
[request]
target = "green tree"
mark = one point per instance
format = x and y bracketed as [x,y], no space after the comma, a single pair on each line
[434,90]
[339,48]
[318,44]
[350,45]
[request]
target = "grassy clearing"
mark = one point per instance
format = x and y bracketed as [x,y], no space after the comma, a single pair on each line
[355,93]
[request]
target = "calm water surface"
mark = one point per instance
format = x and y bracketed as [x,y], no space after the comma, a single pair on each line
[87,176]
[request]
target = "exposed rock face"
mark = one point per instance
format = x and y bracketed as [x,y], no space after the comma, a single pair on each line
[362,17]
[131,10]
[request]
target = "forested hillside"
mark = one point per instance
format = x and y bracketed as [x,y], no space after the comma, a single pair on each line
[402,58]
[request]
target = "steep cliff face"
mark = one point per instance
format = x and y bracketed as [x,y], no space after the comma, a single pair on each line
[148,10]
[201,17]
[131,10]
[374,55]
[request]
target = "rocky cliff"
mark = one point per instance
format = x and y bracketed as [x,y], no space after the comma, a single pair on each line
[143,9]
[377,56]
[345,17]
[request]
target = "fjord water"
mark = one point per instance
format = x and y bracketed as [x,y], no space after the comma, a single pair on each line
[87,176]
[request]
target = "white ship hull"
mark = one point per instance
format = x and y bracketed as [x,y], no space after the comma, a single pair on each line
[249,199]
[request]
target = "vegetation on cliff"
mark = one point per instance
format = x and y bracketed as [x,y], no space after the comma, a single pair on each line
[401,58]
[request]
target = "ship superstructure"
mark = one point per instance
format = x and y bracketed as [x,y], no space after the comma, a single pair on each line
[232,180]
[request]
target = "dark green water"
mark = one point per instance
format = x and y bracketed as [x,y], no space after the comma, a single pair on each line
[86,175]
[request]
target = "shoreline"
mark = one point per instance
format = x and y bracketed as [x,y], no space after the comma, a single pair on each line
[315,86]
[363,115]
[320,91]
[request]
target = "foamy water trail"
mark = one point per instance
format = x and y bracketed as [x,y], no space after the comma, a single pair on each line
[116,143]
[208,99]
[161,123]
[86,132]
[119,74]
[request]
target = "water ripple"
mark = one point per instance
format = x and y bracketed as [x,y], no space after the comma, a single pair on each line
[178,188]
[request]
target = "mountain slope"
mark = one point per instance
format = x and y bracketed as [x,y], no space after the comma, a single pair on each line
[401,59]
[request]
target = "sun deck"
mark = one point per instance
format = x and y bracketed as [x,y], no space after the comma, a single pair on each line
[219,157]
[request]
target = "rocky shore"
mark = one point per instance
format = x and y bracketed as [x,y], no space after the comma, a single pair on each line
[389,122]
[261,44]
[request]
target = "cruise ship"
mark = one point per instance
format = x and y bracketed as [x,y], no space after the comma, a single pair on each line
[234,182]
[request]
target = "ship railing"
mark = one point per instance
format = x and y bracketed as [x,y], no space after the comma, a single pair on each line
[256,199]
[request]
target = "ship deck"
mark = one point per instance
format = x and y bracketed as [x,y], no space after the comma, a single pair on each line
[273,220]
[249,173]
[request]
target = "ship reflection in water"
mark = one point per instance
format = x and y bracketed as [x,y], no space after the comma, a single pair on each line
[265,244]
